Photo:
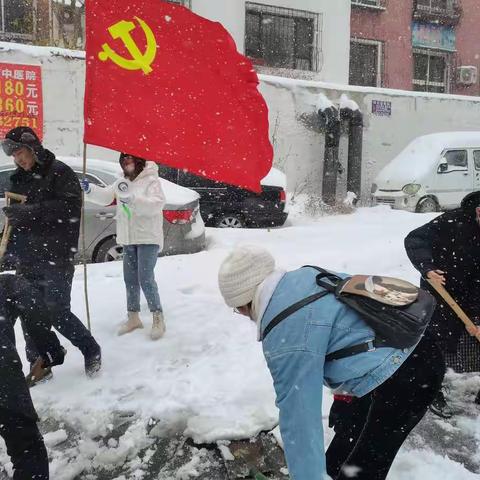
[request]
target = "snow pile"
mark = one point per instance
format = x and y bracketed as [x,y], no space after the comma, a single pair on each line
[347,103]
[323,103]
[207,378]
[41,52]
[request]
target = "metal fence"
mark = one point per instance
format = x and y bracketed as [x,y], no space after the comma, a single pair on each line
[466,358]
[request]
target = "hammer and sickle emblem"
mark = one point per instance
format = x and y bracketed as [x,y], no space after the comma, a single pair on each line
[139,60]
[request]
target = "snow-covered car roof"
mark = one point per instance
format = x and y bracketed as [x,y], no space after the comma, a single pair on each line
[275,178]
[419,155]
[175,194]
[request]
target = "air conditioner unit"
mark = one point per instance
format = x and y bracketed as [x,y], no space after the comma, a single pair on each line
[467,75]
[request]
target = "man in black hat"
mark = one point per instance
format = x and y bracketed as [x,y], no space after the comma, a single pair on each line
[447,250]
[18,418]
[45,235]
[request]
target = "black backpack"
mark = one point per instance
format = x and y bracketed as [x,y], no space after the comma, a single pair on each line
[394,326]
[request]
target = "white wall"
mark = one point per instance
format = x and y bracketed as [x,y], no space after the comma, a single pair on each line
[334,41]
[299,147]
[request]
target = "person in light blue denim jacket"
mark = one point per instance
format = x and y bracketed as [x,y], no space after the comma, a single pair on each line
[401,384]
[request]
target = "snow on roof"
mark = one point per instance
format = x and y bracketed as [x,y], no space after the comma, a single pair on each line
[347,103]
[175,194]
[293,83]
[40,52]
[323,102]
[275,178]
[419,155]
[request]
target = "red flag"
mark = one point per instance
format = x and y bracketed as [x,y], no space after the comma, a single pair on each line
[168,85]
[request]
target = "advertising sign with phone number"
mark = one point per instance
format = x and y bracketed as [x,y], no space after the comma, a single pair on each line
[21,101]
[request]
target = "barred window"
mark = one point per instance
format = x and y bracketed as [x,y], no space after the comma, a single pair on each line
[185,3]
[430,71]
[16,17]
[282,37]
[432,4]
[368,3]
[366,63]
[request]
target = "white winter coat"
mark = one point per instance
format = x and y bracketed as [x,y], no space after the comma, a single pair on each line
[142,221]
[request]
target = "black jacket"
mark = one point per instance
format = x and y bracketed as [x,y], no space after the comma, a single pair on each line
[19,297]
[47,227]
[451,242]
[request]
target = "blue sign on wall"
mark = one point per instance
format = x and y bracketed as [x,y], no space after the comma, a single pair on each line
[427,35]
[382,108]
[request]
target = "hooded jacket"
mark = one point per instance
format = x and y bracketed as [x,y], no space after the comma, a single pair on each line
[140,219]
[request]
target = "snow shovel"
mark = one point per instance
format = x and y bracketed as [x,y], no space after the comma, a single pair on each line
[472,329]
[37,373]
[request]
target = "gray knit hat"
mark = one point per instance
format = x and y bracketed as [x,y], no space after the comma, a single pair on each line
[242,272]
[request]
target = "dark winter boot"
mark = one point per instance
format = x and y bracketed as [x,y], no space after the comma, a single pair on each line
[440,407]
[93,363]
[477,399]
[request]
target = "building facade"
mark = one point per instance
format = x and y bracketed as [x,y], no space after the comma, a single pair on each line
[420,45]
[306,38]
[297,38]
[43,22]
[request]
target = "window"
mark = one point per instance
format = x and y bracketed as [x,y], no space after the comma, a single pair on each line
[17,17]
[430,71]
[282,37]
[185,3]
[368,3]
[476,159]
[432,5]
[366,59]
[456,159]
[94,180]
[194,181]
[168,173]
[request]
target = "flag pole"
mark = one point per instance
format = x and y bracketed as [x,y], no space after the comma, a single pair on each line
[84,248]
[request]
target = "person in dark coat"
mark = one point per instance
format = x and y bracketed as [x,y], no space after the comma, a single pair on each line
[447,250]
[18,418]
[45,235]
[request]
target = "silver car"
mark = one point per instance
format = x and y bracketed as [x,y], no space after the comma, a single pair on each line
[183,227]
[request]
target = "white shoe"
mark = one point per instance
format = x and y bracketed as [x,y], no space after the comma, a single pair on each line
[158,327]
[131,324]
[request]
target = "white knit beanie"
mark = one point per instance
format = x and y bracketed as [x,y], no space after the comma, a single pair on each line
[242,272]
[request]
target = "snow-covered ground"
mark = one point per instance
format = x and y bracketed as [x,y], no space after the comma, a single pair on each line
[207,378]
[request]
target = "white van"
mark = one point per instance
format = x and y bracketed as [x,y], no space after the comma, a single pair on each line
[433,173]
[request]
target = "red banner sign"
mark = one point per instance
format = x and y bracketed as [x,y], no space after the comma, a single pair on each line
[21,103]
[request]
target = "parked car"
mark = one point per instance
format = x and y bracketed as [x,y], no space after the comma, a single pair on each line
[433,173]
[183,226]
[226,206]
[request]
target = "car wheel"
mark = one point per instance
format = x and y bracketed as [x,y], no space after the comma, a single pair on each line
[109,251]
[230,220]
[427,205]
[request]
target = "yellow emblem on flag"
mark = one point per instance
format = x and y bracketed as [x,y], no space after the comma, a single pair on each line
[139,61]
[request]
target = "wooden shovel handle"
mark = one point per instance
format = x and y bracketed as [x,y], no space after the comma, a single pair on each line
[7,230]
[472,329]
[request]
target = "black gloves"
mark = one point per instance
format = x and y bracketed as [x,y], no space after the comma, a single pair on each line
[20,214]
[53,357]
